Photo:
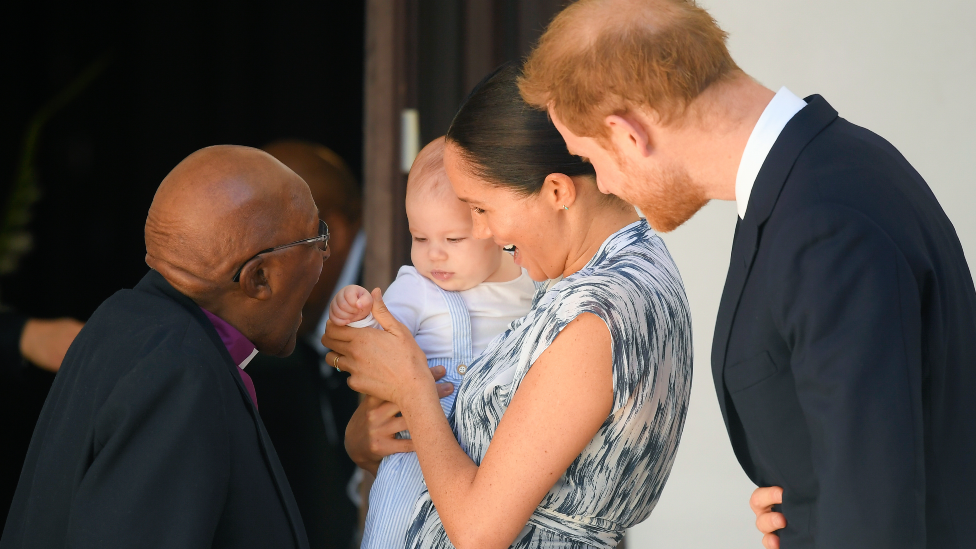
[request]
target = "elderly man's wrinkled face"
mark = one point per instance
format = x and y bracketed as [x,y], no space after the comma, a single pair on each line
[293,274]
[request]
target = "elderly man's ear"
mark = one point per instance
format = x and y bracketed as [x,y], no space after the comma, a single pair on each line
[254,279]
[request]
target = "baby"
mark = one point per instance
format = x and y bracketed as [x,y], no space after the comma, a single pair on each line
[460,294]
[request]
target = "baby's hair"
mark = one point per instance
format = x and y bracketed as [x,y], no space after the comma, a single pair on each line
[427,179]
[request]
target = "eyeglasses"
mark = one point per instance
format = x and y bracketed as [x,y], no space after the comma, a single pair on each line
[323,237]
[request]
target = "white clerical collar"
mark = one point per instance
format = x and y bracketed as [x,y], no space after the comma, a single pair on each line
[778,112]
[248,360]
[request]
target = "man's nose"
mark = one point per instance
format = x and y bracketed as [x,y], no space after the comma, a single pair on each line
[326,253]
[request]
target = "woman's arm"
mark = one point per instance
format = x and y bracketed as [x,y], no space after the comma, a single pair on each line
[556,411]
[558,408]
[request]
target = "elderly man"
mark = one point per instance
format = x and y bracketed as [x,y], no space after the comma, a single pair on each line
[845,344]
[150,436]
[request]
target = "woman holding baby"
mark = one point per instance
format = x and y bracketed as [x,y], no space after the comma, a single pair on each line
[565,427]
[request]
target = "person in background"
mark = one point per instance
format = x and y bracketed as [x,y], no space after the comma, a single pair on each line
[40,342]
[306,407]
[150,435]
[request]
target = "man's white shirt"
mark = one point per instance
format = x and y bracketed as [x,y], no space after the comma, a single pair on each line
[778,112]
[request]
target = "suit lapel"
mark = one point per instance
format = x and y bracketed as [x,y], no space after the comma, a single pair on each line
[280,480]
[157,281]
[743,248]
[799,131]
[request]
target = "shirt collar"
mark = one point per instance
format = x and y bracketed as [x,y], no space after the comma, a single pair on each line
[240,348]
[778,112]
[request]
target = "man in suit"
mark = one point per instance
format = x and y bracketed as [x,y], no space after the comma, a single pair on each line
[150,436]
[844,355]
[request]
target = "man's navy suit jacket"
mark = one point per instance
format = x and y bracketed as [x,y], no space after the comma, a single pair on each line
[148,438]
[844,354]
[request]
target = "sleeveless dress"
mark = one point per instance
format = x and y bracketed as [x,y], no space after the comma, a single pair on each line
[633,285]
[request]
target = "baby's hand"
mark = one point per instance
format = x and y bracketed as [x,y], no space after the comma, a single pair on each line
[352,303]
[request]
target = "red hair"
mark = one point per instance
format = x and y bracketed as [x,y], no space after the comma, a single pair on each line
[603,57]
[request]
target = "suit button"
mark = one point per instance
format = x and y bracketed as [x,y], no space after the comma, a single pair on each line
[462,369]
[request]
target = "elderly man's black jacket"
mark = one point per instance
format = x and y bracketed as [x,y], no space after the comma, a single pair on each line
[845,348]
[148,438]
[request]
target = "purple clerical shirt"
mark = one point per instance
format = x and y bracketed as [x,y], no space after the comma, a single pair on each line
[240,348]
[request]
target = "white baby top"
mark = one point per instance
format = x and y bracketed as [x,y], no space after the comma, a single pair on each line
[418,304]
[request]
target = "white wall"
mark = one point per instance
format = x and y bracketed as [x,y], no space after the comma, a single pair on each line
[904,69]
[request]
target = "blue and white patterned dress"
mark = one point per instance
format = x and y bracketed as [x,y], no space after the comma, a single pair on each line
[633,285]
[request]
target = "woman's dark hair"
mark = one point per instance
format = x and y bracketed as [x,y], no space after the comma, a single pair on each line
[506,141]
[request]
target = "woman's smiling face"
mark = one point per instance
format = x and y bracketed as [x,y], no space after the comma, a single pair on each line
[526,225]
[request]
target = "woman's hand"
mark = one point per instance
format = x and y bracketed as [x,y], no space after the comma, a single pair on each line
[350,304]
[386,364]
[370,434]
[767,520]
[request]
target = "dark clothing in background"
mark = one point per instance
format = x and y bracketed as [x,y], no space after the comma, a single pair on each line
[148,438]
[296,402]
[22,392]
[11,327]
[845,348]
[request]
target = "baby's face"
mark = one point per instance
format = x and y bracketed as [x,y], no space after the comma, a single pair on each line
[444,249]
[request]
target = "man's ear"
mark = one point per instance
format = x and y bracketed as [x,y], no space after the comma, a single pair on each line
[630,134]
[254,279]
[559,190]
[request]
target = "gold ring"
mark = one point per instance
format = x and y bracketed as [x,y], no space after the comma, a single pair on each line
[335,363]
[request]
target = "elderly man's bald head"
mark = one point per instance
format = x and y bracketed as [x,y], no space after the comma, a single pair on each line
[217,208]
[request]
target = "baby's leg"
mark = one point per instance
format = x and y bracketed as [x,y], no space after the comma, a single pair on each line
[398,486]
